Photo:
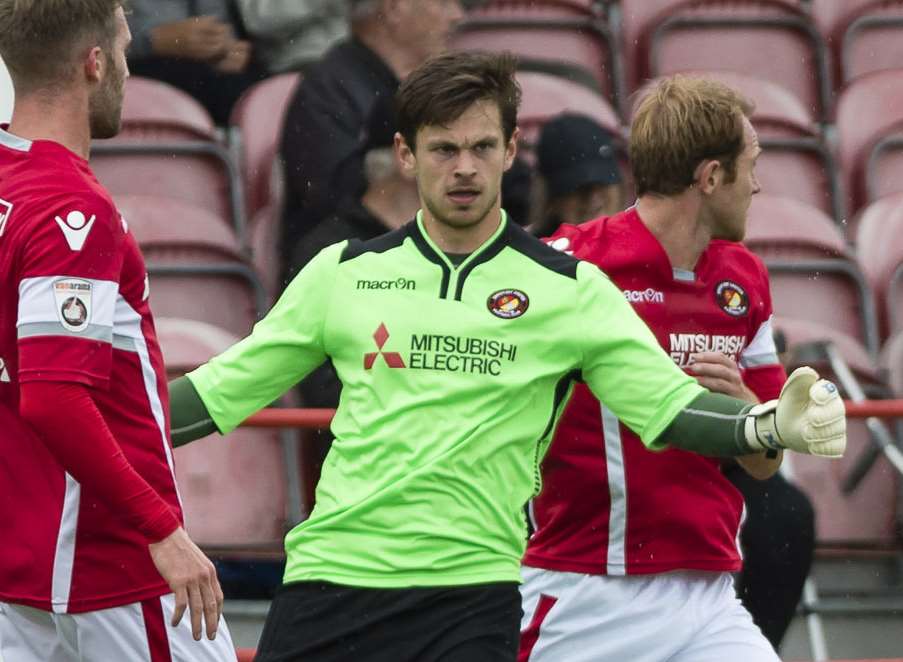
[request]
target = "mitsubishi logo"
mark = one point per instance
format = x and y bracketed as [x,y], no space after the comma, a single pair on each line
[392,359]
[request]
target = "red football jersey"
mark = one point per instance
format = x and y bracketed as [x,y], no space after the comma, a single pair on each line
[609,505]
[74,308]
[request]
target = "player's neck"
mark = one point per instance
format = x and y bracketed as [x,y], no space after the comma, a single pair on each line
[675,222]
[57,119]
[451,239]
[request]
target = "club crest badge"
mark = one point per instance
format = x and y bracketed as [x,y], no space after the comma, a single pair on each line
[732,298]
[508,304]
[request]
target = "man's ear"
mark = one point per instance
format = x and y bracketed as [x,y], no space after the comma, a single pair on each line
[709,174]
[511,148]
[95,65]
[407,160]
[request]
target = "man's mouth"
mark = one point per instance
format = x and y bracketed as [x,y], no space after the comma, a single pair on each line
[463,196]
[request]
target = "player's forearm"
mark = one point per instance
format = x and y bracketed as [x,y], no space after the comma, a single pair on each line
[713,425]
[76,434]
[189,418]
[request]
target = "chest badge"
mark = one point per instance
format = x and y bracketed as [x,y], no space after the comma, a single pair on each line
[508,304]
[732,298]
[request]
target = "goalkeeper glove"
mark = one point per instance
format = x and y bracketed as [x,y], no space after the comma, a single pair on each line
[808,417]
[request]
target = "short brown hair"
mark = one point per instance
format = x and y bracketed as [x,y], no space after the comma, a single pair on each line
[680,121]
[441,89]
[40,38]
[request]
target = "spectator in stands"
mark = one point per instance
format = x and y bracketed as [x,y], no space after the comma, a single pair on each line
[288,35]
[579,174]
[321,140]
[578,168]
[389,202]
[198,46]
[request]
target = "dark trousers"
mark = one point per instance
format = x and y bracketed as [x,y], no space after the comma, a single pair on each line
[323,622]
[778,542]
[216,91]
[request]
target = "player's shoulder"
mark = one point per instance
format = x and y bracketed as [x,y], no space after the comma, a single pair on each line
[541,252]
[739,257]
[604,241]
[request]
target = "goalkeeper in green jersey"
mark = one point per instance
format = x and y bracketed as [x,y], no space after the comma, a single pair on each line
[457,339]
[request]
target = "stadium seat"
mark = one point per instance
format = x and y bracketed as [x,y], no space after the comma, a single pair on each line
[813,274]
[796,161]
[546,95]
[892,361]
[168,145]
[264,245]
[870,38]
[732,35]
[881,255]
[258,117]
[196,267]
[233,489]
[868,110]
[867,517]
[567,37]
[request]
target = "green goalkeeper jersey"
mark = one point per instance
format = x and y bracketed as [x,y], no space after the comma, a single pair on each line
[453,380]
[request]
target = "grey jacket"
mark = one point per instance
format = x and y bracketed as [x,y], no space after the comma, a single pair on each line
[145,15]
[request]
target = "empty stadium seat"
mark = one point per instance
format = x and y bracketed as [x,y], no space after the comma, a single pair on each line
[892,361]
[733,35]
[196,267]
[868,110]
[867,517]
[545,96]
[168,145]
[813,274]
[567,37]
[264,244]
[233,489]
[870,38]
[258,116]
[879,227]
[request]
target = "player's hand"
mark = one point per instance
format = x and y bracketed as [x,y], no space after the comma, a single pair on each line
[192,578]
[720,374]
[808,417]
[203,38]
[236,59]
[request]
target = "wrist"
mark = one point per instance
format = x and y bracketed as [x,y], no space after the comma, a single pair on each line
[760,428]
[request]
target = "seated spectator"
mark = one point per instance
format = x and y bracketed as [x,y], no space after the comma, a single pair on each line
[389,201]
[579,174]
[195,45]
[288,35]
[321,139]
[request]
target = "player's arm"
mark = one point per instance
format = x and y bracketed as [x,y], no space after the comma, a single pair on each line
[282,349]
[629,373]
[68,287]
[720,374]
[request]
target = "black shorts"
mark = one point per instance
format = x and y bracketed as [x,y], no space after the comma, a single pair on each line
[323,622]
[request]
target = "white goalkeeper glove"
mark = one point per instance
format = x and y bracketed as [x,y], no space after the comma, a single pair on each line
[808,417]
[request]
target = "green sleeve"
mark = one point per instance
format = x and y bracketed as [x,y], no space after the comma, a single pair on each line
[188,417]
[623,364]
[282,349]
[710,425]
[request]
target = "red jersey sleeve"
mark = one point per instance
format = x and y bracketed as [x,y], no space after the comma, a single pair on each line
[68,283]
[763,373]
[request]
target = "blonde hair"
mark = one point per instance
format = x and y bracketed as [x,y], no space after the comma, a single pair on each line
[680,121]
[39,39]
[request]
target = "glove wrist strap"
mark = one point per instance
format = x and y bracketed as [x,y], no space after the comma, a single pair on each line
[760,427]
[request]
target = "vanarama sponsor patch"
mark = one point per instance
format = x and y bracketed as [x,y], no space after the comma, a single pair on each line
[73,303]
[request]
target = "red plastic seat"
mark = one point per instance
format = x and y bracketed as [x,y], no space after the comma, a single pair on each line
[569,37]
[892,361]
[545,96]
[168,145]
[814,277]
[869,109]
[259,115]
[880,253]
[264,244]
[195,264]
[869,38]
[732,35]
[233,489]
[868,515]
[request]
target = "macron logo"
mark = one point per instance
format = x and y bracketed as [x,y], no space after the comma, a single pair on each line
[6,208]
[4,373]
[644,296]
[75,228]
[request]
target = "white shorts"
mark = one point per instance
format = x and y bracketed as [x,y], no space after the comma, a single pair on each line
[138,632]
[673,617]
